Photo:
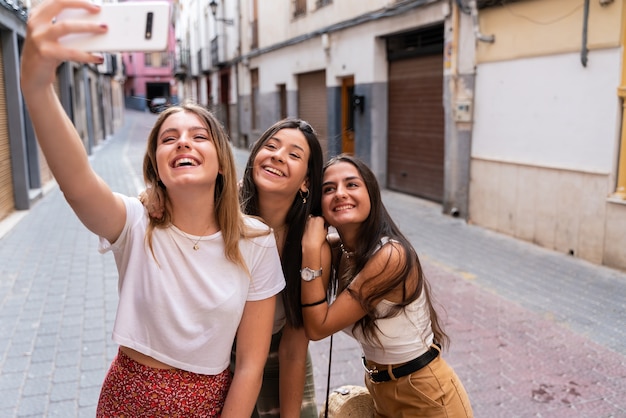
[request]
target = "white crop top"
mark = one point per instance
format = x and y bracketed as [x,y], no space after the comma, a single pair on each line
[402,337]
[185,311]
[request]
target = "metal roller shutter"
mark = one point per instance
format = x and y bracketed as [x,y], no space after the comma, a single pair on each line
[312,104]
[416,127]
[7,201]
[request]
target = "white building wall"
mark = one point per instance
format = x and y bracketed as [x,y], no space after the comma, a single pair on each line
[357,50]
[549,111]
[315,18]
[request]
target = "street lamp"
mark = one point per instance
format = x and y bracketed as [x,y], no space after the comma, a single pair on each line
[213,6]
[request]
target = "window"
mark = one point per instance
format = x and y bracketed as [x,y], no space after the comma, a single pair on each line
[282,100]
[254,26]
[322,3]
[254,99]
[300,8]
[156,59]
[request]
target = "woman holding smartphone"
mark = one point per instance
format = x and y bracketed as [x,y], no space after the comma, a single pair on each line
[382,298]
[188,282]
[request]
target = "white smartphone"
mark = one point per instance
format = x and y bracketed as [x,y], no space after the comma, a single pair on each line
[132,26]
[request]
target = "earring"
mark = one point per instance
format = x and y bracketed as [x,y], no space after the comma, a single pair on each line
[304,198]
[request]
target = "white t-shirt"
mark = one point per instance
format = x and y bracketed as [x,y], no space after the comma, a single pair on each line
[185,310]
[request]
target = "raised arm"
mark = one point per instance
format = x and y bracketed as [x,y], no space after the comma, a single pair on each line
[322,320]
[88,195]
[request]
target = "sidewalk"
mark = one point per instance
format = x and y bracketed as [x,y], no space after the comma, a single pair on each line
[534,333]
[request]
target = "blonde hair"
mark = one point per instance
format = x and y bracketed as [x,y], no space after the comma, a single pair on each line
[228,214]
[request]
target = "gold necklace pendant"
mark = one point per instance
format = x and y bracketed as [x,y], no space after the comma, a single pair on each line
[195,245]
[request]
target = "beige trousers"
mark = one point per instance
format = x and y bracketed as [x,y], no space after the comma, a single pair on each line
[434,391]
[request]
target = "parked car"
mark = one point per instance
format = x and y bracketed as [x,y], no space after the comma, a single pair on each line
[159,104]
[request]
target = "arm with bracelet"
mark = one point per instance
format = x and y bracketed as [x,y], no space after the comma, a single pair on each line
[315,272]
[322,318]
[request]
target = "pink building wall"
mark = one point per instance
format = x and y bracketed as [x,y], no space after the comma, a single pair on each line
[143,83]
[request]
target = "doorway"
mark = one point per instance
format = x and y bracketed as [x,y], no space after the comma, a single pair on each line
[347,115]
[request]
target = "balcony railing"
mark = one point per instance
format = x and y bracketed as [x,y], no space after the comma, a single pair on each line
[18,7]
[217,53]
[204,59]
[182,66]
[109,66]
[254,29]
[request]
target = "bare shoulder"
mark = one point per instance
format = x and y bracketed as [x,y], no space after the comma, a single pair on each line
[391,251]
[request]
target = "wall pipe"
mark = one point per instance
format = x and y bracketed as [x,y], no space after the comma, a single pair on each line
[481,37]
[463,7]
[584,50]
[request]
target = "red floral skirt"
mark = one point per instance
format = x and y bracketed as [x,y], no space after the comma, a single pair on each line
[133,390]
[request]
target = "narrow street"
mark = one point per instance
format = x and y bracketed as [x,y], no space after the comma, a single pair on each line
[534,333]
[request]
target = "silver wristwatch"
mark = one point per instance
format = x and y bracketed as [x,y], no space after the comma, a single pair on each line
[308,274]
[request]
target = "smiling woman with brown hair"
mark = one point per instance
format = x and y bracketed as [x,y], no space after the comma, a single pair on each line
[189,282]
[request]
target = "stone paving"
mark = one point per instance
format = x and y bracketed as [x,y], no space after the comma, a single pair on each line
[534,333]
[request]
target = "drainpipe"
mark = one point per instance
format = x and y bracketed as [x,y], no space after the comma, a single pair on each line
[483,38]
[238,61]
[584,50]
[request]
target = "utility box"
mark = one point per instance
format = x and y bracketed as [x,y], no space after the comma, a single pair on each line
[463,111]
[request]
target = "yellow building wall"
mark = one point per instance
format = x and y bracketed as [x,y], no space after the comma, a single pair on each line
[547,27]
[567,210]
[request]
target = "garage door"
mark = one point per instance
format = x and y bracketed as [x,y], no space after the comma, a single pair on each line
[7,202]
[416,126]
[312,105]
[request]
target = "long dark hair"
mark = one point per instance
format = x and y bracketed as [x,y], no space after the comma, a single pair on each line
[291,259]
[377,226]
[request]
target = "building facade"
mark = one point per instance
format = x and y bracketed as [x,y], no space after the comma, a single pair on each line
[208,55]
[507,113]
[151,74]
[91,95]
[19,158]
[548,127]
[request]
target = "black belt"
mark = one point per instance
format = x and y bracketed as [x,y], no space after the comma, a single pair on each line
[378,376]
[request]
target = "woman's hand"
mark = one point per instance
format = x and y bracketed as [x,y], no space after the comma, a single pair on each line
[315,232]
[42,51]
[102,212]
[152,202]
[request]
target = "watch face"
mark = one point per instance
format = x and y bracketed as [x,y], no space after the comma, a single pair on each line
[307,274]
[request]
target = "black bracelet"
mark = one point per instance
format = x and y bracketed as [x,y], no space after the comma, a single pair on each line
[319,302]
